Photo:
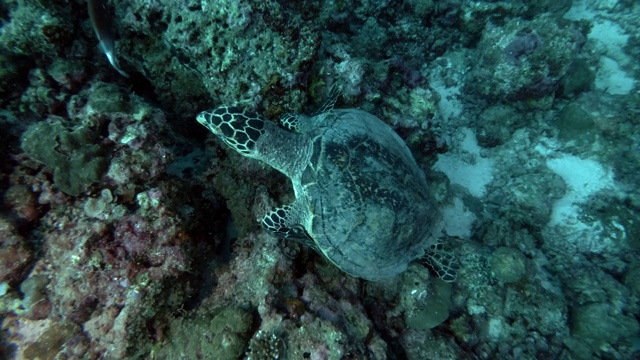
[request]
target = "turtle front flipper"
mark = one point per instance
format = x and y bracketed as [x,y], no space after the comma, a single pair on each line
[238,128]
[291,122]
[441,261]
[301,123]
[334,94]
[284,222]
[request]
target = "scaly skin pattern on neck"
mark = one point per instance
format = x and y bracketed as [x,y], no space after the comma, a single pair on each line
[254,137]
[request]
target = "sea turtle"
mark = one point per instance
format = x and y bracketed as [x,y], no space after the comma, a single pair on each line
[361,199]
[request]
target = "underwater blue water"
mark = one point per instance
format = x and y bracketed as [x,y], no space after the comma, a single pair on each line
[128,230]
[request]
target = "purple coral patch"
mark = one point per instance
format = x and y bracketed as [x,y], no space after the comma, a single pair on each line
[520,46]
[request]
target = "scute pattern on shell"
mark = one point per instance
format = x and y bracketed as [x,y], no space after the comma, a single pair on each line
[369,201]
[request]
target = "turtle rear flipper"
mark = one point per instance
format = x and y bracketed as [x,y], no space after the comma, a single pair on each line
[292,122]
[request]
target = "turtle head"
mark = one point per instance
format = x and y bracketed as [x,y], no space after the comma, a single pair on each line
[238,128]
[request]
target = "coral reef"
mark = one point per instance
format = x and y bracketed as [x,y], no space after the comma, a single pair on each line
[128,232]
